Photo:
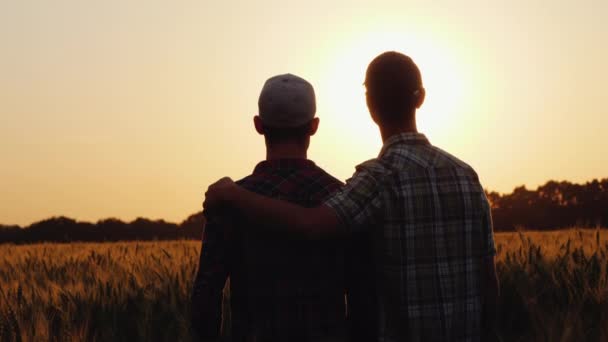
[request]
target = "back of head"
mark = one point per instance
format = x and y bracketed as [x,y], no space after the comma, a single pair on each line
[286,107]
[394,86]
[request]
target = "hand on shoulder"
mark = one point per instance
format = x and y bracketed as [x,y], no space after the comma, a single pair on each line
[218,194]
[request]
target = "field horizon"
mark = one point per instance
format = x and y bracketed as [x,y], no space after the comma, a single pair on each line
[554,205]
[554,286]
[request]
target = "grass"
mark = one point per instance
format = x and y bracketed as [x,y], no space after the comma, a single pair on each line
[554,288]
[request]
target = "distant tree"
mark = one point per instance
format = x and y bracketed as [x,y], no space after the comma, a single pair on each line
[9,233]
[111,229]
[552,205]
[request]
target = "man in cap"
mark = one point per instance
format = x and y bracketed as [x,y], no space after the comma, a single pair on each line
[280,289]
[433,243]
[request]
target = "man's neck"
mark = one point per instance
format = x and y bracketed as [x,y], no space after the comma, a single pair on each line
[286,151]
[387,131]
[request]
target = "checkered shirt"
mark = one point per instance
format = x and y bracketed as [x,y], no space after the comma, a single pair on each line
[431,227]
[280,289]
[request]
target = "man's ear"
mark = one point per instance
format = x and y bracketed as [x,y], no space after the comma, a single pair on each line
[420,97]
[259,126]
[314,126]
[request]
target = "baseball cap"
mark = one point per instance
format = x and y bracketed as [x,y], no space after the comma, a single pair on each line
[287,101]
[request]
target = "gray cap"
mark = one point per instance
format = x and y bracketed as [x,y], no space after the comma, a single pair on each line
[287,101]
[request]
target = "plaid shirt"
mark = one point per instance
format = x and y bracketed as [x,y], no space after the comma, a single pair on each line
[280,289]
[432,227]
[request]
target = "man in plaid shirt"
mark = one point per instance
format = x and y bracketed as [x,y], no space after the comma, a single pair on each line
[430,220]
[280,289]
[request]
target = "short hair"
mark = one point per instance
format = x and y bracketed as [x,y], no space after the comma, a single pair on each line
[278,135]
[393,83]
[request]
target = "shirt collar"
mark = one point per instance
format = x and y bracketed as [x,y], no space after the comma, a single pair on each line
[409,138]
[283,164]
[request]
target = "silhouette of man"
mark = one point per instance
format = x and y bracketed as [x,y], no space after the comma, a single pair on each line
[280,289]
[428,213]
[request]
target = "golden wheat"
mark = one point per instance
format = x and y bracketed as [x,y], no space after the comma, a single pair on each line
[554,285]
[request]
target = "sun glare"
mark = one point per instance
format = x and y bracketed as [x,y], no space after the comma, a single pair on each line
[342,94]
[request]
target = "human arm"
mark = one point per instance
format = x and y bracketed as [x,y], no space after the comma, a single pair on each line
[490,288]
[355,207]
[209,283]
[490,295]
[275,215]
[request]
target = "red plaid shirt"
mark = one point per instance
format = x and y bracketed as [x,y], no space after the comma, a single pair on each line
[280,290]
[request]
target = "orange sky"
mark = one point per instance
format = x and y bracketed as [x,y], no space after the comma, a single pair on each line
[131,108]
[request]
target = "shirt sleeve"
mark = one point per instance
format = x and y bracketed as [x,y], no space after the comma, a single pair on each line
[488,246]
[359,203]
[209,283]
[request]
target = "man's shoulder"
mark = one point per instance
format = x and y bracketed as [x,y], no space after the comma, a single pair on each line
[374,165]
[376,168]
[321,184]
[418,162]
[243,181]
[254,182]
[311,174]
[446,159]
[330,179]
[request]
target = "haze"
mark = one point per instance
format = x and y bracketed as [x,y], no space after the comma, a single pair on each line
[131,108]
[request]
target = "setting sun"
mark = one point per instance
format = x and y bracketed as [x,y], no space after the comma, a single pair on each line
[341,93]
[129,110]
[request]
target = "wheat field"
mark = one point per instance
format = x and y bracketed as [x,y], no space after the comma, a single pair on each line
[554,287]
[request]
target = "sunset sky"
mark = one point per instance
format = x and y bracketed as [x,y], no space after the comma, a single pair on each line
[131,108]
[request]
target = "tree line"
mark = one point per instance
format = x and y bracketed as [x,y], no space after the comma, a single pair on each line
[553,205]
[64,229]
